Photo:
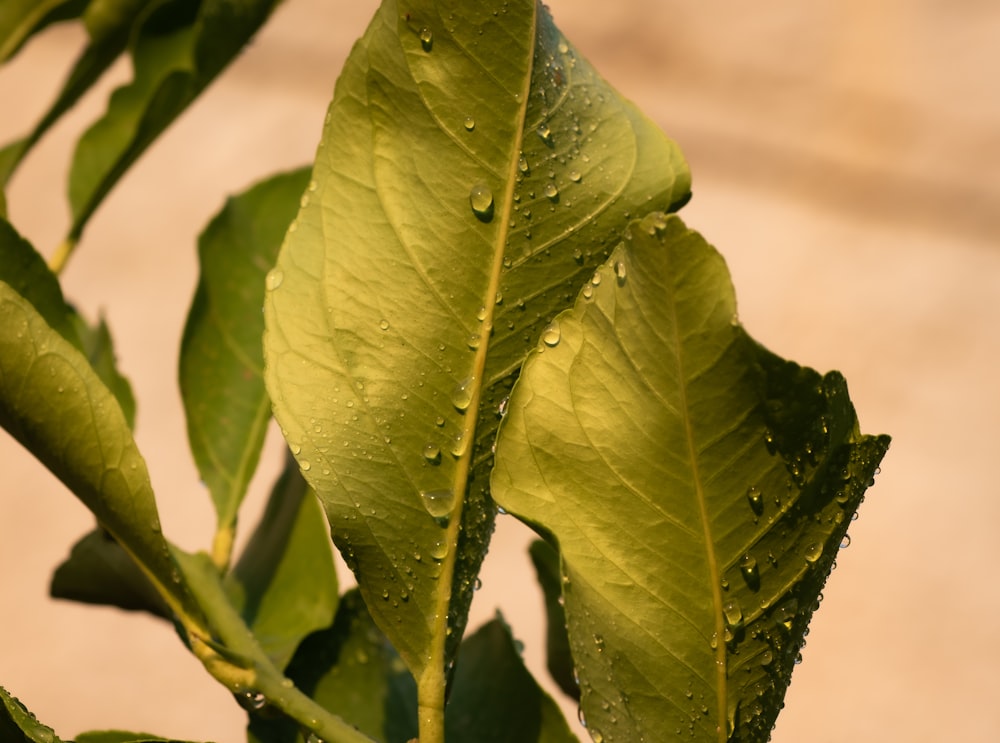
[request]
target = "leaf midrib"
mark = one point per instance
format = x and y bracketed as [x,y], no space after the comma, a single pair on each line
[684,411]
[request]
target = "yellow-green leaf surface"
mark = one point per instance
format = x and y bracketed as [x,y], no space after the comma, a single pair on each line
[52,401]
[698,488]
[222,363]
[473,171]
[179,48]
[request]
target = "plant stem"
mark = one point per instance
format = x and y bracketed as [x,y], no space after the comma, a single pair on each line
[430,707]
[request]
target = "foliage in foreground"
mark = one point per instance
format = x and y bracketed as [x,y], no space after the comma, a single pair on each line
[482,301]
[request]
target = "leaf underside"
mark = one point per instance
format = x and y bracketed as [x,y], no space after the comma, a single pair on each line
[473,172]
[698,488]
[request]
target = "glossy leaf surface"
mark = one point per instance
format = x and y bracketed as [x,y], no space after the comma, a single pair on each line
[698,487]
[52,401]
[472,172]
[221,365]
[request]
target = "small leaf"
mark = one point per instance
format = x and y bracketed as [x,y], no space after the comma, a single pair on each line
[18,725]
[100,351]
[178,50]
[99,571]
[426,259]
[221,365]
[284,584]
[496,699]
[698,487]
[351,670]
[120,736]
[52,401]
[109,24]
[24,270]
[557,653]
[20,19]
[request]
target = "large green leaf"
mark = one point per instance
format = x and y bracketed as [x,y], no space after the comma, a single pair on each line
[18,725]
[121,736]
[472,172]
[285,584]
[496,699]
[181,46]
[52,401]
[109,24]
[221,364]
[697,485]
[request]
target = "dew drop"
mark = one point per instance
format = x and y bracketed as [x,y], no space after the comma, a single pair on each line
[481,201]
[620,272]
[588,291]
[305,465]
[599,643]
[461,396]
[756,500]
[458,445]
[733,614]
[274,278]
[574,175]
[597,736]
[432,453]
[522,165]
[253,700]
[439,550]
[383,324]
[845,542]
[551,334]
[813,552]
[438,503]
[751,574]
[469,123]
[545,133]
[473,341]
[426,39]
[596,278]
[551,191]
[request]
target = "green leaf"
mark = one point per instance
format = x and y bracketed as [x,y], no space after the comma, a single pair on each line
[99,571]
[352,670]
[20,19]
[18,725]
[24,270]
[180,47]
[109,24]
[496,699]
[472,171]
[121,736]
[100,351]
[285,584]
[558,657]
[221,365]
[52,401]
[698,487]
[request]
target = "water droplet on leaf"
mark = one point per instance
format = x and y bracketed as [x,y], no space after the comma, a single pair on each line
[461,396]
[274,278]
[438,503]
[426,39]
[481,200]
[469,123]
[551,334]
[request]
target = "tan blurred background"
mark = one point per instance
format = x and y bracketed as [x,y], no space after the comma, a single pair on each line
[846,160]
